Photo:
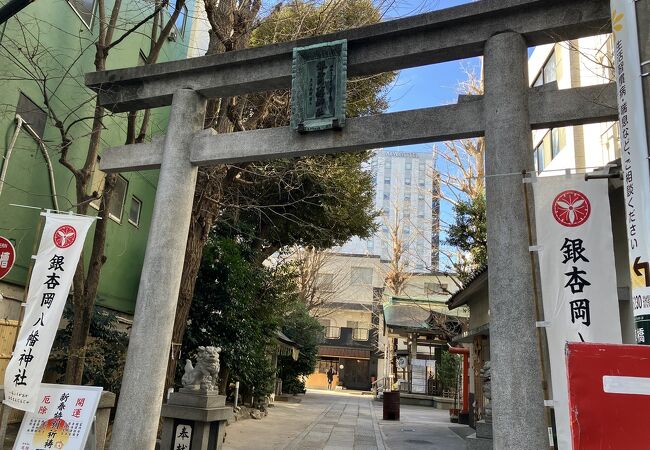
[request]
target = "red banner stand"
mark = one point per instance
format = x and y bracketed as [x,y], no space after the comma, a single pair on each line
[609,396]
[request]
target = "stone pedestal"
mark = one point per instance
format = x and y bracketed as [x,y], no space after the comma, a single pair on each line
[482,439]
[196,419]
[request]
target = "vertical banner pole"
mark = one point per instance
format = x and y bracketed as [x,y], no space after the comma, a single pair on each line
[541,332]
[39,229]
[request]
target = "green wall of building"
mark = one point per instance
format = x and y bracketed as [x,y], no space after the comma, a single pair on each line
[63,49]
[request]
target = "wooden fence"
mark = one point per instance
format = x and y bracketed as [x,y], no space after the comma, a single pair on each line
[8,330]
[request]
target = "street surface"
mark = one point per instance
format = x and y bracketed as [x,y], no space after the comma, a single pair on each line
[332,420]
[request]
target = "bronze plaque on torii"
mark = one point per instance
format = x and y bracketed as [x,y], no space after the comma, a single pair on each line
[318,84]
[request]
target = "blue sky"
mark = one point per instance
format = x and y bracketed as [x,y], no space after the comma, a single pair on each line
[427,86]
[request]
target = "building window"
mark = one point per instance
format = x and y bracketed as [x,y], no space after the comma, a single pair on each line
[119,194]
[119,198]
[97,183]
[325,282]
[34,116]
[408,165]
[387,180]
[361,276]
[555,142]
[548,148]
[134,211]
[548,72]
[181,20]
[85,9]
[330,331]
[539,158]
[360,334]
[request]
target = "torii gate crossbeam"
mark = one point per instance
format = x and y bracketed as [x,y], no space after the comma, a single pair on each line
[500,30]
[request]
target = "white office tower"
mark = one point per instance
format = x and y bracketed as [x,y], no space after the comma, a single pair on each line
[403,193]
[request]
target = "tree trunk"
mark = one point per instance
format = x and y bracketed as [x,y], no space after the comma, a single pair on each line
[85,293]
[224,374]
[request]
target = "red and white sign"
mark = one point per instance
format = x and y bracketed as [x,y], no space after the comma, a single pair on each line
[609,395]
[55,263]
[7,256]
[578,278]
[62,420]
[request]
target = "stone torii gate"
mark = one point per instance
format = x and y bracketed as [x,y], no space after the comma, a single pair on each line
[501,31]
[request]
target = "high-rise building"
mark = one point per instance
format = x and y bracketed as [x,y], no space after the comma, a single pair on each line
[404,195]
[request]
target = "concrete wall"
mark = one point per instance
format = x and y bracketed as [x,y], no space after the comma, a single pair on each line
[346,287]
[417,285]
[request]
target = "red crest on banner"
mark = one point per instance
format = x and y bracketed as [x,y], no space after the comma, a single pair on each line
[64,236]
[571,208]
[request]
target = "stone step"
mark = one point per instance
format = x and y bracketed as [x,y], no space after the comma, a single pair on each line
[483,430]
[475,443]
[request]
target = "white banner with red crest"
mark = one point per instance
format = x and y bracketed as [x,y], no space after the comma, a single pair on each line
[58,253]
[578,277]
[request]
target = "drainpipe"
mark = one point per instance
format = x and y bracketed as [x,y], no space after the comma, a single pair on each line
[465,352]
[48,161]
[5,165]
[20,123]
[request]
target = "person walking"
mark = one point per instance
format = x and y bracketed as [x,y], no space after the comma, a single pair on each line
[330,378]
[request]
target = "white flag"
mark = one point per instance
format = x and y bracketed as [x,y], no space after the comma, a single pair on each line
[58,253]
[578,277]
[634,159]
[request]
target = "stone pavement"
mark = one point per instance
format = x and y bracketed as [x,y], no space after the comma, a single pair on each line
[332,420]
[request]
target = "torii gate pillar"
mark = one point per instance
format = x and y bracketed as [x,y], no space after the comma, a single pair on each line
[138,410]
[517,398]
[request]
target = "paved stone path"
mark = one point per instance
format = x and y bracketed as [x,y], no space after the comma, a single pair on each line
[344,424]
[332,420]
